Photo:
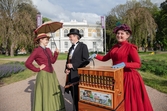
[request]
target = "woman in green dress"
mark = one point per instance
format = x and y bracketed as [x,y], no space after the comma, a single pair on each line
[48,95]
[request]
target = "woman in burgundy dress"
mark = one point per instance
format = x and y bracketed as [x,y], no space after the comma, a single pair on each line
[124,54]
[48,94]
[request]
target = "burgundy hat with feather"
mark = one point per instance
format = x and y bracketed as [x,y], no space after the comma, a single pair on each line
[122,27]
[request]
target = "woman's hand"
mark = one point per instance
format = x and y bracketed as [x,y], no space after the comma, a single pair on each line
[57,50]
[92,56]
[120,65]
[42,66]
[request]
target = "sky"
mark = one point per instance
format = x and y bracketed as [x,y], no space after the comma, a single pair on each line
[79,10]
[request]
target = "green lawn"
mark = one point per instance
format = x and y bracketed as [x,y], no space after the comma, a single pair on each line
[150,79]
[156,82]
[157,56]
[62,56]
[3,61]
[18,56]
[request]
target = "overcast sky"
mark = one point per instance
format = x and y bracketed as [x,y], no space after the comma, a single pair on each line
[67,10]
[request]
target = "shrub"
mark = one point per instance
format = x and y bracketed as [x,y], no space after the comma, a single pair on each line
[8,69]
[155,66]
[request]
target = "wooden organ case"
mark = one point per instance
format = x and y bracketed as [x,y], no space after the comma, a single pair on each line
[101,89]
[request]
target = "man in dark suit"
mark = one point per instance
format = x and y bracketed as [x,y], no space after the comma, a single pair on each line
[77,57]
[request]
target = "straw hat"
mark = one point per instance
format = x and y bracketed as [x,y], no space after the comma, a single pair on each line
[40,36]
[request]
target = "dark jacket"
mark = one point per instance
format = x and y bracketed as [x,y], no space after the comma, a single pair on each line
[79,59]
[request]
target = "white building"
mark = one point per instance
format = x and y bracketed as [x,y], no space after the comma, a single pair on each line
[92,36]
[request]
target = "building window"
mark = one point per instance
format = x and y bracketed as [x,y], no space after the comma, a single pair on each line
[94,44]
[92,32]
[82,32]
[98,32]
[65,44]
[65,32]
[57,34]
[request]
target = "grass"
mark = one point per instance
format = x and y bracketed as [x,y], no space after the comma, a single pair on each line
[150,79]
[4,61]
[156,56]
[17,77]
[62,56]
[18,56]
[156,82]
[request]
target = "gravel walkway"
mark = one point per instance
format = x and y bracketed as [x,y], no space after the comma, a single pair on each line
[18,96]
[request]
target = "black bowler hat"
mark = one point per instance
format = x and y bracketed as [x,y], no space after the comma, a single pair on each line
[74,31]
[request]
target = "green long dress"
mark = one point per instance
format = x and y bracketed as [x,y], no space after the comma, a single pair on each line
[48,95]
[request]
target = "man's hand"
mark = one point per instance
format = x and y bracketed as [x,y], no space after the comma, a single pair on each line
[67,71]
[69,65]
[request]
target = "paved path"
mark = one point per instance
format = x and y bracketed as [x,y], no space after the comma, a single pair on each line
[18,96]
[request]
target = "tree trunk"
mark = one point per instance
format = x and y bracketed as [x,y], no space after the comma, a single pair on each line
[145,49]
[12,50]
[7,52]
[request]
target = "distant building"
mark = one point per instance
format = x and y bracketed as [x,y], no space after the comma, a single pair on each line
[92,36]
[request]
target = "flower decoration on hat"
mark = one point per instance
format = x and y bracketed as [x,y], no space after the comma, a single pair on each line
[122,27]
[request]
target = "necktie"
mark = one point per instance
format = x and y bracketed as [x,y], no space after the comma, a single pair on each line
[71,51]
[72,47]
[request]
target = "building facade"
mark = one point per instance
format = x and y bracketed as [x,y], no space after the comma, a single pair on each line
[92,36]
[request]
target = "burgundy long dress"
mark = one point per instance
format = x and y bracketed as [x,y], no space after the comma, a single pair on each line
[136,97]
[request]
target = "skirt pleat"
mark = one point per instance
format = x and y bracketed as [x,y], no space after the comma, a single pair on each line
[48,95]
[136,97]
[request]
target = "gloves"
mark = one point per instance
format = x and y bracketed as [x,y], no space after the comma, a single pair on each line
[92,56]
[120,65]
